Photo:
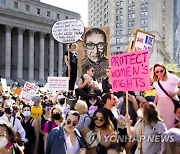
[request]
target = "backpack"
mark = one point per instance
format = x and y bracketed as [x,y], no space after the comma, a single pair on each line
[82,121]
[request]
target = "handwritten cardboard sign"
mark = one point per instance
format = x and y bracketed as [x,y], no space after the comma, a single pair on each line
[28,91]
[68,31]
[58,83]
[4,84]
[143,40]
[130,71]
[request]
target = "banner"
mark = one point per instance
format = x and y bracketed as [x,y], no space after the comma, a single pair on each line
[143,40]
[130,71]
[28,91]
[58,83]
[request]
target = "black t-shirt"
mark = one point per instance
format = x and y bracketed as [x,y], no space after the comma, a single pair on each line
[73,58]
[112,118]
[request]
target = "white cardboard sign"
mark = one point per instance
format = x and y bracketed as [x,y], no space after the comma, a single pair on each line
[58,83]
[29,90]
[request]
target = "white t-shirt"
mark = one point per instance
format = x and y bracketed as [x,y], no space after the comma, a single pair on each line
[71,149]
[170,85]
[151,143]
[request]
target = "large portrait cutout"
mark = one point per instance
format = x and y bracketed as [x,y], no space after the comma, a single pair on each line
[94,51]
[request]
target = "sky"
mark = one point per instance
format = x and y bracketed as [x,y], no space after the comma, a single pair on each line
[79,6]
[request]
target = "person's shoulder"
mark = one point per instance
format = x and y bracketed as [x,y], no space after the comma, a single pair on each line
[56,130]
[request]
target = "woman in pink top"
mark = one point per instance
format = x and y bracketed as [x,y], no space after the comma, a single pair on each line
[170,83]
[56,119]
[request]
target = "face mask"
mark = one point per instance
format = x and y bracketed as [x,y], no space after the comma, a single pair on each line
[31,103]
[56,116]
[3,142]
[8,110]
[48,109]
[26,113]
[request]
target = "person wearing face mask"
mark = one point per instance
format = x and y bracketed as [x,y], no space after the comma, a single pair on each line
[47,106]
[7,117]
[32,131]
[8,144]
[66,138]
[56,119]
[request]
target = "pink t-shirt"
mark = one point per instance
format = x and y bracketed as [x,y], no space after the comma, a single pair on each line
[169,85]
[46,127]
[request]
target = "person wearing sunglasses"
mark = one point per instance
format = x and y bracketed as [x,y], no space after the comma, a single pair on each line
[100,133]
[170,83]
[86,85]
[66,139]
[95,46]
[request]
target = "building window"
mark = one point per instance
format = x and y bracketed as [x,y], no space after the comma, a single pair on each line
[145,13]
[66,17]
[27,8]
[16,5]
[2,2]
[129,16]
[142,6]
[48,13]
[117,40]
[133,8]
[142,22]
[121,3]
[133,23]
[38,10]
[58,16]
[129,31]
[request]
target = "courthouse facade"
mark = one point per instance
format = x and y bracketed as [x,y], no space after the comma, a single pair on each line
[28,52]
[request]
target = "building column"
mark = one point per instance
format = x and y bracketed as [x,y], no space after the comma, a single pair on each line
[20,54]
[31,55]
[41,60]
[60,58]
[51,56]
[8,52]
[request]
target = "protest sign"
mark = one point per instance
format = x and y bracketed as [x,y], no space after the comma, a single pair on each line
[28,91]
[143,40]
[4,84]
[130,71]
[58,83]
[68,31]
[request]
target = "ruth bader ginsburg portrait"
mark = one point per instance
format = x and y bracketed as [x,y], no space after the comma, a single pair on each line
[95,51]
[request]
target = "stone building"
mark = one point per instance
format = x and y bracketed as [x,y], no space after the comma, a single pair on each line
[27,49]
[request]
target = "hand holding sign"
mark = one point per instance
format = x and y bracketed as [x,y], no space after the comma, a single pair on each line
[68,31]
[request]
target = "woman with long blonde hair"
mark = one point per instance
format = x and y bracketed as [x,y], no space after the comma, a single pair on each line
[170,83]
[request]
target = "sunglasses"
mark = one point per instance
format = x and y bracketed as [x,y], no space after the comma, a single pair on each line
[161,71]
[74,123]
[99,119]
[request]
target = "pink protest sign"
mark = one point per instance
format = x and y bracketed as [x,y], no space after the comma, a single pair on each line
[130,71]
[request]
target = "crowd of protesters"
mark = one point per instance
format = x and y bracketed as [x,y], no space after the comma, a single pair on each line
[86,120]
